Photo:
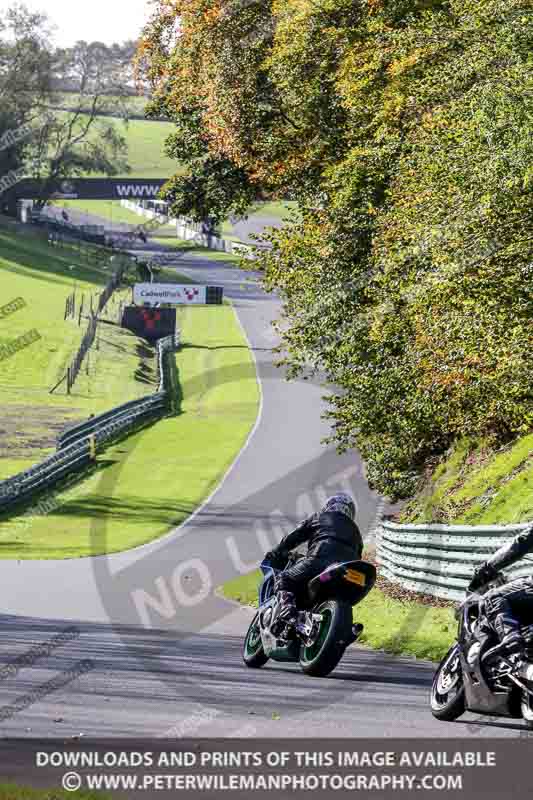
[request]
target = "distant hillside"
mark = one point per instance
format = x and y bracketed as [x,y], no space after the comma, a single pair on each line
[146,147]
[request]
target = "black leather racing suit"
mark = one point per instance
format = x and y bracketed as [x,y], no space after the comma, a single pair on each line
[506,605]
[330,537]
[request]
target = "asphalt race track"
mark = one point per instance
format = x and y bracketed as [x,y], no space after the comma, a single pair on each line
[149,648]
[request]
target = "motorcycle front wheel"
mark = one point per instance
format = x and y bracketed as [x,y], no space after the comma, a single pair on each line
[526,707]
[322,656]
[447,692]
[253,653]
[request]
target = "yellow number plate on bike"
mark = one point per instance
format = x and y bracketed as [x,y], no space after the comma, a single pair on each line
[355,577]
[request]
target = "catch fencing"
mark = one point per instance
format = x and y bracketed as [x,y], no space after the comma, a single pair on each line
[90,335]
[86,343]
[439,560]
[77,447]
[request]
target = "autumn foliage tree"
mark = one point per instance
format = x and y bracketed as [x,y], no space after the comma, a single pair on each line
[403,128]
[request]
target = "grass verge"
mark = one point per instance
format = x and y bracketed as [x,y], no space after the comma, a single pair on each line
[402,628]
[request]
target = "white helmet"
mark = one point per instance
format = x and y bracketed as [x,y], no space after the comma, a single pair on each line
[342,504]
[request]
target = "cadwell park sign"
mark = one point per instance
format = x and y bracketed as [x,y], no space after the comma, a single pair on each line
[176,294]
[171,293]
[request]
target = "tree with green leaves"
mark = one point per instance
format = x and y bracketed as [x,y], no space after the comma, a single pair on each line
[25,73]
[403,128]
[39,137]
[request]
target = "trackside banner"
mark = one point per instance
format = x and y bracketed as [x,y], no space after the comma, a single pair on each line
[88,188]
[387,769]
[169,293]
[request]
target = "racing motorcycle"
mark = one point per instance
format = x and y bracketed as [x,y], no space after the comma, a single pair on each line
[477,674]
[323,628]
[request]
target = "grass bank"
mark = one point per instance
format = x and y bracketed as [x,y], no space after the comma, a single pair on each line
[72,100]
[42,277]
[398,627]
[146,152]
[477,484]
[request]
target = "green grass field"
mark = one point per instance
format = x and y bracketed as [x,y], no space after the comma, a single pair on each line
[156,478]
[43,278]
[146,155]
[145,141]
[274,208]
[395,626]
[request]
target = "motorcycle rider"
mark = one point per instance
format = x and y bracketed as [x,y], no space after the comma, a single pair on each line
[505,605]
[332,536]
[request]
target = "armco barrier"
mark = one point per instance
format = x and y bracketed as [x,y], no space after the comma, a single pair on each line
[74,446]
[91,426]
[439,559]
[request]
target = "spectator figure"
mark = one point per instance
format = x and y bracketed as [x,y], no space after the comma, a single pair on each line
[65,216]
[142,236]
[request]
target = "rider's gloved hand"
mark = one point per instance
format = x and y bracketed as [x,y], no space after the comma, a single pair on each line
[482,575]
[276,557]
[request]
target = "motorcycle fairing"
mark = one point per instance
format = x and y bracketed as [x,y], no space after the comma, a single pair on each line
[266,590]
[480,698]
[278,649]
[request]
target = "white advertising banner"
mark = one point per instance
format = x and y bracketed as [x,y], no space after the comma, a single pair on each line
[173,293]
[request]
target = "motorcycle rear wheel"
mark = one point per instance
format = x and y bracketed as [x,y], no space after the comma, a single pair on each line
[253,653]
[447,692]
[321,658]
